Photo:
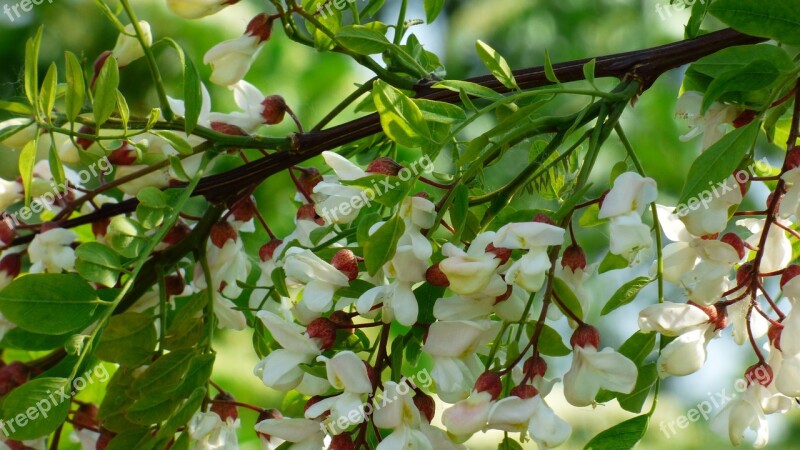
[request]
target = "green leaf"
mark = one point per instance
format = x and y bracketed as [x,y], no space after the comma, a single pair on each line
[432,9]
[76,87]
[381,246]
[752,77]
[279,281]
[509,444]
[183,414]
[401,118]
[27,159]
[497,65]
[105,91]
[776,19]
[362,40]
[56,165]
[47,96]
[551,344]
[50,303]
[29,412]
[472,89]
[129,339]
[623,436]
[97,263]
[625,294]
[165,374]
[567,297]
[638,347]
[16,108]
[588,71]
[124,111]
[25,340]
[177,142]
[440,112]
[32,68]
[459,210]
[699,12]
[192,95]
[716,164]
[590,217]
[646,378]
[549,72]
[612,262]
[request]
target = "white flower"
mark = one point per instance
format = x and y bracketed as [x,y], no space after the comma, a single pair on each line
[321,279]
[195,9]
[347,373]
[468,416]
[227,265]
[628,234]
[593,370]
[128,48]
[672,319]
[10,193]
[712,124]
[745,414]
[704,217]
[418,214]
[399,302]
[453,346]
[249,100]
[402,417]
[23,136]
[531,415]
[306,434]
[208,431]
[230,60]
[51,252]
[777,249]
[335,202]
[473,272]
[631,193]
[686,354]
[280,369]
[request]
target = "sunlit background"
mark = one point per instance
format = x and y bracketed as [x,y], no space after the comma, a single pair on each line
[313,83]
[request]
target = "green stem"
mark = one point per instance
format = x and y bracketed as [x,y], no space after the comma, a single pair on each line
[364,88]
[401,23]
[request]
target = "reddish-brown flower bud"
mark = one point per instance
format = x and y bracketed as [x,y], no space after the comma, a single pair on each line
[100,227]
[489,382]
[85,417]
[324,330]
[7,232]
[342,442]
[11,264]
[744,118]
[222,232]
[104,439]
[535,366]
[267,415]
[222,405]
[174,284]
[307,212]
[125,155]
[760,373]
[743,180]
[261,27]
[274,109]
[98,64]
[384,166]
[501,253]
[543,218]
[244,210]
[226,128]
[426,405]
[574,258]
[721,321]
[83,142]
[792,159]
[342,320]
[585,336]
[347,263]
[789,273]
[267,251]
[436,277]
[177,233]
[736,242]
[745,273]
[524,391]
[307,180]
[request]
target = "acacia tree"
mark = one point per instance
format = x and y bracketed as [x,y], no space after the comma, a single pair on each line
[122,247]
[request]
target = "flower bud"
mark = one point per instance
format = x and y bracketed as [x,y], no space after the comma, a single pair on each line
[745,273]
[710,310]
[489,382]
[436,277]
[175,285]
[501,253]
[177,233]
[244,210]
[774,334]
[543,218]
[574,258]
[267,251]
[11,265]
[229,129]
[324,330]
[384,166]
[736,242]
[342,442]
[126,155]
[721,321]
[274,109]
[744,186]
[792,160]
[585,336]
[267,415]
[85,417]
[345,261]
[7,232]
[760,373]
[307,212]
[98,64]
[221,232]
[789,273]
[342,320]
[100,227]
[222,405]
[128,48]
[307,180]
[426,405]
[24,135]
[744,118]
[261,27]
[524,391]
[535,365]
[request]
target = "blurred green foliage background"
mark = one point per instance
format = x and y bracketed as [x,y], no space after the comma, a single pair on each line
[313,83]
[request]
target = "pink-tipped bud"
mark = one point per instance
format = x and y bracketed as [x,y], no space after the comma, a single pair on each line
[501,253]
[489,382]
[324,330]
[384,166]
[585,336]
[222,232]
[426,405]
[760,373]
[223,406]
[524,391]
[347,263]
[573,258]
[274,109]
[267,251]
[736,242]
[436,277]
